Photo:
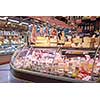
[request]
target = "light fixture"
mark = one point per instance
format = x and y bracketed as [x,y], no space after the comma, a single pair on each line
[13,20]
[24,23]
[3,18]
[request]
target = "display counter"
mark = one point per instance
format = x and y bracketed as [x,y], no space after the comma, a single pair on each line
[42,77]
[50,65]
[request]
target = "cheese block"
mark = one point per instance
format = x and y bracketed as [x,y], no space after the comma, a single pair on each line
[53,44]
[41,41]
[86,45]
[53,40]
[68,44]
[77,40]
[41,44]
[40,38]
[87,39]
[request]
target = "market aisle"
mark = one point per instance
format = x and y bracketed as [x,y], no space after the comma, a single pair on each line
[7,77]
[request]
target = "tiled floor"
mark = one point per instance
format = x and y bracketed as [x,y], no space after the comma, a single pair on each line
[7,77]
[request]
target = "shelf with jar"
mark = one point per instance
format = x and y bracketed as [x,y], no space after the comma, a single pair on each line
[90,25]
[68,41]
[66,37]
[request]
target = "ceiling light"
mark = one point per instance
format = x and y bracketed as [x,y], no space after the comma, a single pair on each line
[24,23]
[3,18]
[13,20]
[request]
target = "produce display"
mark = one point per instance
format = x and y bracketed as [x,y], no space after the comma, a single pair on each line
[50,61]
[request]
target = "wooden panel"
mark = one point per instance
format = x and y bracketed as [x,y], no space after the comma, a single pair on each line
[5,59]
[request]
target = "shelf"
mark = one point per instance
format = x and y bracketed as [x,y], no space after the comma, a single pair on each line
[4,59]
[9,44]
[9,35]
[67,48]
[4,54]
[45,46]
[80,49]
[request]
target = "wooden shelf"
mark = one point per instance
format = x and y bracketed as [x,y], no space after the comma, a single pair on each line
[67,48]
[4,59]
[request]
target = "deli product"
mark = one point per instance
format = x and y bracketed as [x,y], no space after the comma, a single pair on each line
[52,62]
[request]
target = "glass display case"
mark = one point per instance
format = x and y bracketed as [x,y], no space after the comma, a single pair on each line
[55,64]
[10,42]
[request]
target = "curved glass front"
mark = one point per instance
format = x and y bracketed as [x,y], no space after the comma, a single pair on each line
[52,61]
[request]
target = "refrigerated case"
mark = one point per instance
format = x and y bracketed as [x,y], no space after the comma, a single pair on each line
[9,44]
[55,64]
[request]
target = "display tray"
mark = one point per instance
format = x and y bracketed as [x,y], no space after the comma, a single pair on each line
[39,77]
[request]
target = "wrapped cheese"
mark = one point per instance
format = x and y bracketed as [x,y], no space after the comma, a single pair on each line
[87,39]
[68,44]
[77,40]
[86,45]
